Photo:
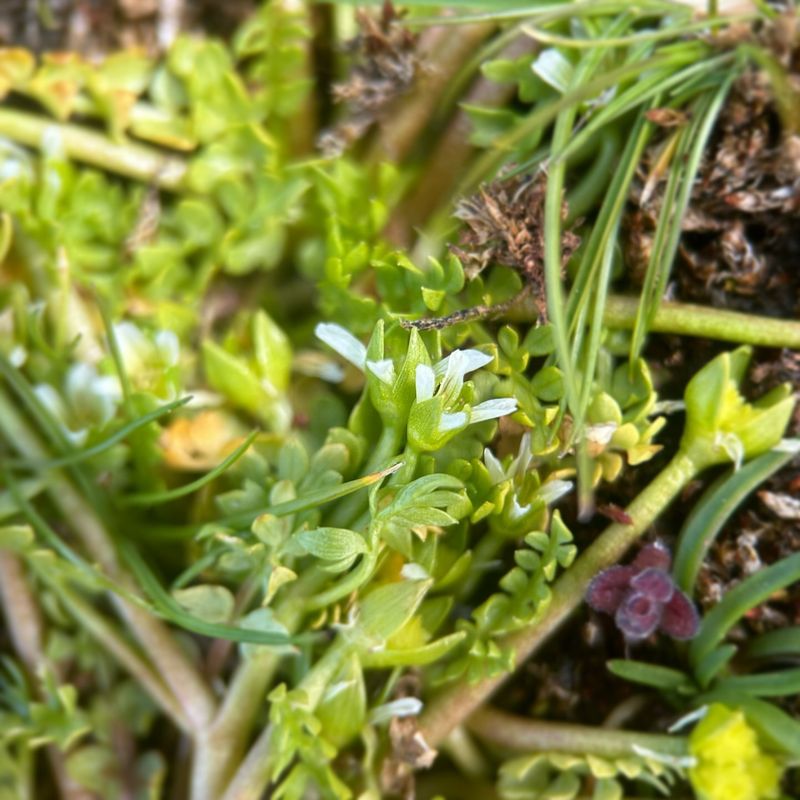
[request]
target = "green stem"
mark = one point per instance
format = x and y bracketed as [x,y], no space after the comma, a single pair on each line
[135,161]
[252,777]
[687,319]
[221,750]
[527,735]
[349,583]
[693,320]
[386,448]
[458,702]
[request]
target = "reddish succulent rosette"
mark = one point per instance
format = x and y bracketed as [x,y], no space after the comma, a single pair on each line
[643,597]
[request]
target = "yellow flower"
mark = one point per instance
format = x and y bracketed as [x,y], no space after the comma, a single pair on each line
[730,765]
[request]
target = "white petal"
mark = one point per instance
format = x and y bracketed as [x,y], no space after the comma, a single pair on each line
[414,572]
[517,511]
[470,361]
[453,380]
[18,356]
[519,466]
[452,422]
[343,342]
[51,400]
[733,447]
[425,382]
[168,347]
[491,409]
[554,490]
[383,369]
[133,345]
[80,378]
[404,707]
[338,688]
[601,433]
[493,466]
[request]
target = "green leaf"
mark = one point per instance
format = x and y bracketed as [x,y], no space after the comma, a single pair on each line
[413,656]
[232,377]
[711,665]
[713,509]
[738,601]
[386,609]
[16,538]
[664,678]
[332,544]
[548,384]
[207,602]
[343,707]
[775,644]
[778,683]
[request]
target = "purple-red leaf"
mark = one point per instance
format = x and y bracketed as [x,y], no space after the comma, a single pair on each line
[608,589]
[680,619]
[653,555]
[638,616]
[655,583]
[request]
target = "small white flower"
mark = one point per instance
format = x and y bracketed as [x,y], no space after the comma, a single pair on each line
[133,345]
[383,370]
[492,409]
[91,396]
[343,342]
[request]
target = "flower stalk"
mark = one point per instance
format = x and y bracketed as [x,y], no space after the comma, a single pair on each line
[526,735]
[129,160]
[688,319]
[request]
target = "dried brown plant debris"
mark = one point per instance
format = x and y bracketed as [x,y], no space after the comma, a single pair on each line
[505,226]
[741,234]
[385,67]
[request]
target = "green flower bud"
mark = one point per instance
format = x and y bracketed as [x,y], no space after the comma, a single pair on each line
[720,424]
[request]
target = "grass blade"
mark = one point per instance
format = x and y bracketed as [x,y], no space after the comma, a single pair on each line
[156,498]
[738,601]
[714,508]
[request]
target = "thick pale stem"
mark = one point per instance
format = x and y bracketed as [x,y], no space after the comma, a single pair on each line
[23,618]
[686,319]
[131,160]
[457,703]
[442,56]
[528,735]
[221,751]
[253,776]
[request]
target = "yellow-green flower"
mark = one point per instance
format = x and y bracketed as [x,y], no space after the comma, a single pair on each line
[730,764]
